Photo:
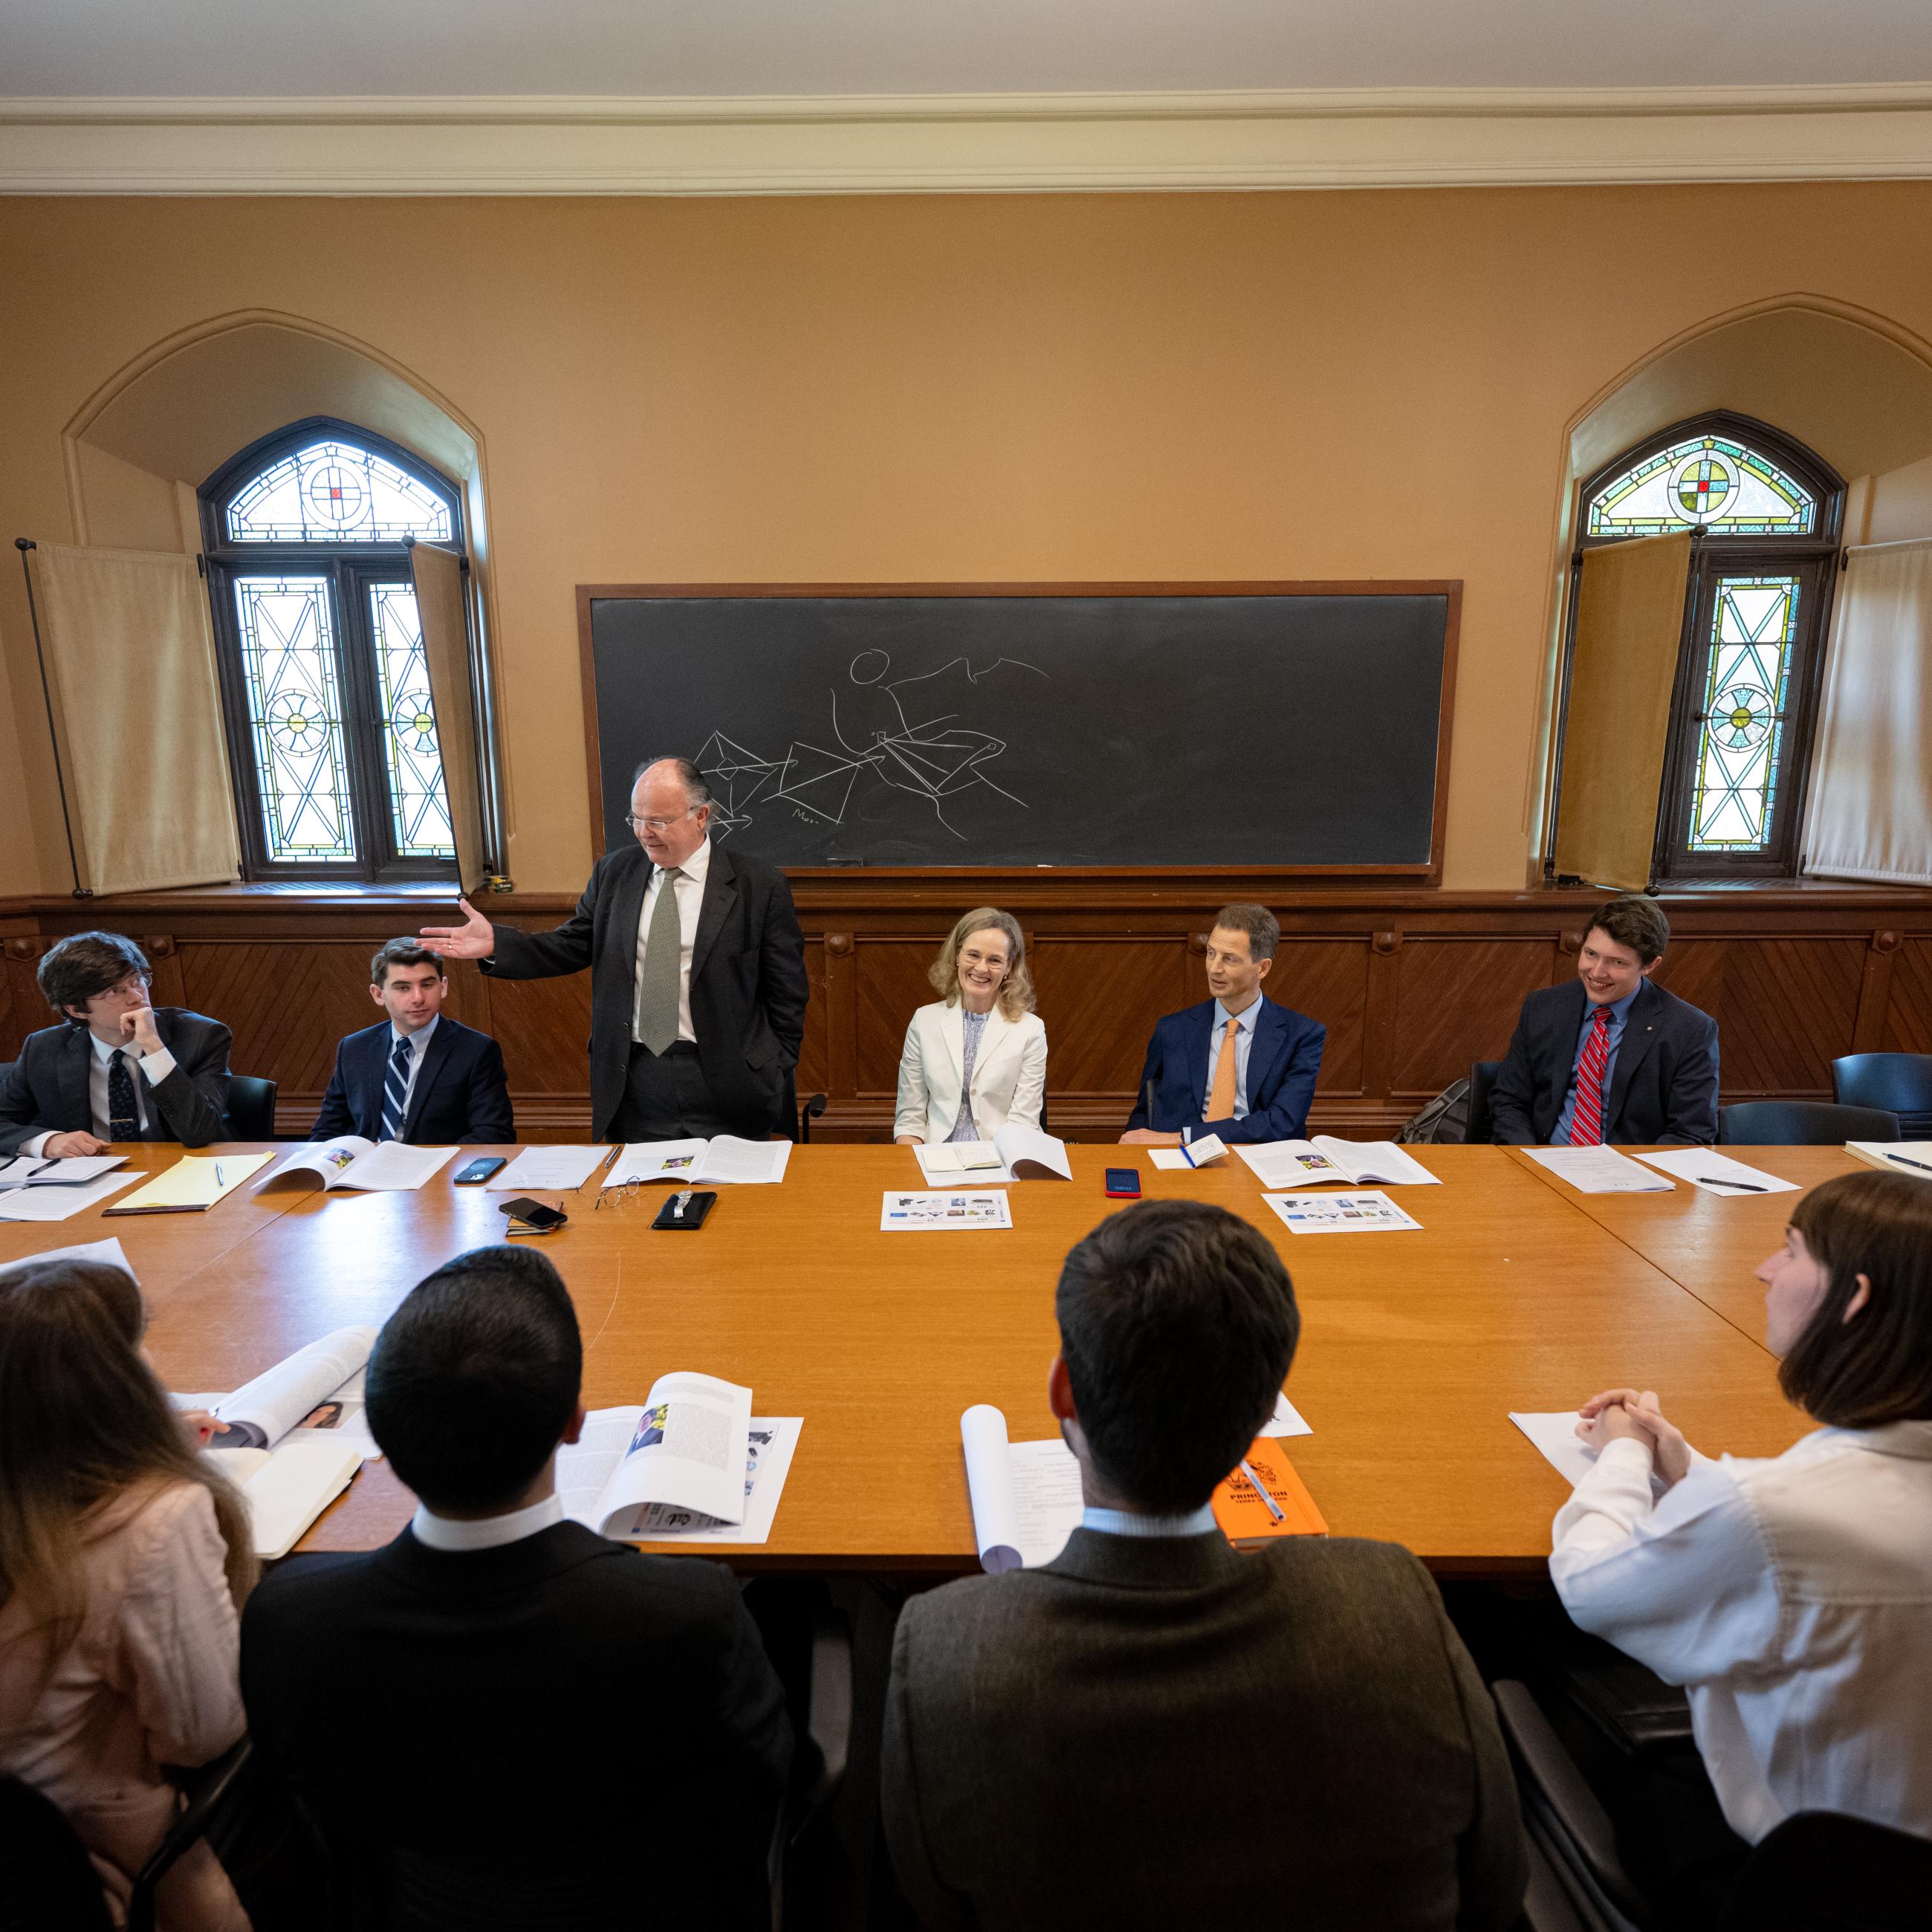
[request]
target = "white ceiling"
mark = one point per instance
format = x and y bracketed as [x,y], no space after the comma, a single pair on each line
[727,47]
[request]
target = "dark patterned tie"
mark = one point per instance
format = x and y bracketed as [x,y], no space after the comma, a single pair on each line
[396,1092]
[124,1115]
[1586,1120]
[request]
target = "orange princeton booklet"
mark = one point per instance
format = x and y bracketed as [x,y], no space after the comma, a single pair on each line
[1246,1520]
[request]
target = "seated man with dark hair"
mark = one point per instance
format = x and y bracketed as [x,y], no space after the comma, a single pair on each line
[1612,1056]
[118,1068]
[417,1075]
[1156,1730]
[501,1719]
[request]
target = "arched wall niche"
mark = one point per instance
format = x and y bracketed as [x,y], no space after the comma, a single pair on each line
[1852,384]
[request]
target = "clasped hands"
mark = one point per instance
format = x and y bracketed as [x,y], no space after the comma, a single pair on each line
[1618,1414]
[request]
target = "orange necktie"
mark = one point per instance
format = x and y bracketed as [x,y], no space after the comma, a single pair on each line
[1221,1094]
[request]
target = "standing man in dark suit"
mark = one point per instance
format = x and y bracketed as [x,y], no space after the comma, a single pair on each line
[419,1075]
[1154,1730]
[501,1718]
[697,982]
[1612,1056]
[1237,1065]
[119,1069]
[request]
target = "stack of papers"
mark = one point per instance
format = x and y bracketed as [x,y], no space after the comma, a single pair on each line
[35,1170]
[1717,1173]
[61,1203]
[552,1167]
[725,1161]
[1912,1157]
[1598,1170]
[1353,1163]
[109,1253]
[941,1212]
[1371,1213]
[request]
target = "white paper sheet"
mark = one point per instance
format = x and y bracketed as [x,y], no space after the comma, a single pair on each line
[1717,1173]
[584,1467]
[1554,1433]
[37,1170]
[110,1251]
[1168,1159]
[62,1204]
[1286,1420]
[944,1211]
[1599,1170]
[1025,1496]
[550,1167]
[1913,1157]
[1370,1214]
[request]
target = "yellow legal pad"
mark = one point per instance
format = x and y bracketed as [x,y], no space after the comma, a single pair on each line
[195,1181]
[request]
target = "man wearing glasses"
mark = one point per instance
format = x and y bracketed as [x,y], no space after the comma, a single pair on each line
[118,1069]
[697,984]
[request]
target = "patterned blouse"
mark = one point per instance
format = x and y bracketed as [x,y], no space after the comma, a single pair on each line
[972,1025]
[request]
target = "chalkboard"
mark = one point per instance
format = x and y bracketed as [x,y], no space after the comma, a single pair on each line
[1260,727]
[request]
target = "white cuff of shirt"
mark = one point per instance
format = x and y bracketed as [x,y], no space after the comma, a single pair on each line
[1608,1504]
[157,1066]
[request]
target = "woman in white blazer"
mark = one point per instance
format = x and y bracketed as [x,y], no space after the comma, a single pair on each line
[1791,1594]
[975,1058]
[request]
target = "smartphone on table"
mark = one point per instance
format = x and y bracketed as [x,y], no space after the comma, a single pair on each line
[1123,1183]
[532,1216]
[479,1169]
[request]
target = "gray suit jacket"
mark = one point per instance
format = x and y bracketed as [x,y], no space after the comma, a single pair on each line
[1172,1733]
[46,1089]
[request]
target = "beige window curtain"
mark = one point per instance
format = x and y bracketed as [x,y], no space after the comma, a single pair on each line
[137,711]
[1870,815]
[1630,628]
[445,634]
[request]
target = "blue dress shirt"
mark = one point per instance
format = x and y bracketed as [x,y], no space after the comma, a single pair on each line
[1619,1012]
[1133,1522]
[1244,1040]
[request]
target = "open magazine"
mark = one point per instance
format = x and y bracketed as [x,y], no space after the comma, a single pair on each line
[690,1465]
[1353,1163]
[291,1439]
[350,1161]
[1014,1153]
[723,1161]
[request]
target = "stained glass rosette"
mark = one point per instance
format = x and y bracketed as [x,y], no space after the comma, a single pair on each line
[334,492]
[1723,485]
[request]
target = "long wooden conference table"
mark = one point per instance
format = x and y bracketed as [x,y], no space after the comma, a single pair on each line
[1517,1293]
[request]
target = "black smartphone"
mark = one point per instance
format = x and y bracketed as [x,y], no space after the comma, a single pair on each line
[534,1214]
[479,1169]
[1123,1183]
[684,1209]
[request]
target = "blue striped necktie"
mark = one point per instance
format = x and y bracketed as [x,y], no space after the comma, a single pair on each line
[396,1092]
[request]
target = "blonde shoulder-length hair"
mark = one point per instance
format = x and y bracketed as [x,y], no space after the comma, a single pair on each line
[1016,989]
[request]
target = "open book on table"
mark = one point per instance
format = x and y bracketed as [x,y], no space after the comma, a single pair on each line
[1912,1157]
[1014,1153]
[690,1465]
[350,1161]
[724,1160]
[1310,1163]
[292,1439]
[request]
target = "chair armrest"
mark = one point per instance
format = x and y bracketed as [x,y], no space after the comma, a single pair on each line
[208,1788]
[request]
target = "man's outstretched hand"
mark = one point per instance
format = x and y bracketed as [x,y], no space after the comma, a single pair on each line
[475,938]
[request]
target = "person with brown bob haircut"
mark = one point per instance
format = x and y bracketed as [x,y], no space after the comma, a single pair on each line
[124,1561]
[1792,1595]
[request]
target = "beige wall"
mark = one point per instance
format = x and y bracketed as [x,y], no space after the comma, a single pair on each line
[1292,386]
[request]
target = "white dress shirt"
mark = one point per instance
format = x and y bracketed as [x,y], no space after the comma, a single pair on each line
[690,890]
[418,1045]
[1244,1040]
[489,1532]
[1793,1598]
[155,1067]
[1135,1522]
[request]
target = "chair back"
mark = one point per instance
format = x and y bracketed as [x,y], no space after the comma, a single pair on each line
[1482,1079]
[1801,1123]
[251,1107]
[46,1882]
[1820,1871]
[1900,1082]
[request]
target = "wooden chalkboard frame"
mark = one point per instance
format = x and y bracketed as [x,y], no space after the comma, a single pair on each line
[1449,588]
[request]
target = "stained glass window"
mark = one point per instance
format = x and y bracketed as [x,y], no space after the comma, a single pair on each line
[331,491]
[1712,480]
[295,716]
[1747,677]
[418,804]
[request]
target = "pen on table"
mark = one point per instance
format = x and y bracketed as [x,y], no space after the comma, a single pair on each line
[1906,1160]
[218,1181]
[1724,1180]
[1260,1489]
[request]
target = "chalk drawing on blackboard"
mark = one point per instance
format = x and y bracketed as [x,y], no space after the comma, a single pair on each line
[935,760]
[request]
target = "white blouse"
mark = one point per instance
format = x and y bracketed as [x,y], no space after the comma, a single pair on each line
[1793,1597]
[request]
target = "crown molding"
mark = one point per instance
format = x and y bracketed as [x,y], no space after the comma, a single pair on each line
[1403,137]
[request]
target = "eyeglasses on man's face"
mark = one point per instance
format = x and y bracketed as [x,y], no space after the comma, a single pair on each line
[656,825]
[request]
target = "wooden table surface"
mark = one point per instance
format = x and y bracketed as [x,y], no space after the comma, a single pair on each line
[1517,1293]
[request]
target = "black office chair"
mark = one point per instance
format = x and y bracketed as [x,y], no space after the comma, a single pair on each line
[1900,1082]
[212,1792]
[1476,1131]
[46,1882]
[1801,1123]
[807,1113]
[1820,1871]
[251,1107]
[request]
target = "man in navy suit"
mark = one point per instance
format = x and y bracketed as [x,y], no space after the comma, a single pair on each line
[418,1076]
[1612,1056]
[1237,1065]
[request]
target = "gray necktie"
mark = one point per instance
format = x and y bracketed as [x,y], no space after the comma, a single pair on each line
[657,985]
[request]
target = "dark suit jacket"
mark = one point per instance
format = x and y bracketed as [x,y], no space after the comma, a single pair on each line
[460,1093]
[1284,1058]
[46,1090]
[748,983]
[1171,1733]
[1664,1087]
[561,1726]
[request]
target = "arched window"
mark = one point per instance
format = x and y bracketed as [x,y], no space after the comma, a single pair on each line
[1766,514]
[330,730]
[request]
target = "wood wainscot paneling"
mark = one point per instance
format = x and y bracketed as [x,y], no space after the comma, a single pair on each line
[1412,984]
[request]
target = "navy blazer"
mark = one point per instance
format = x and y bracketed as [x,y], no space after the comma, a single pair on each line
[1664,1087]
[460,1094]
[1283,1059]
[46,1090]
